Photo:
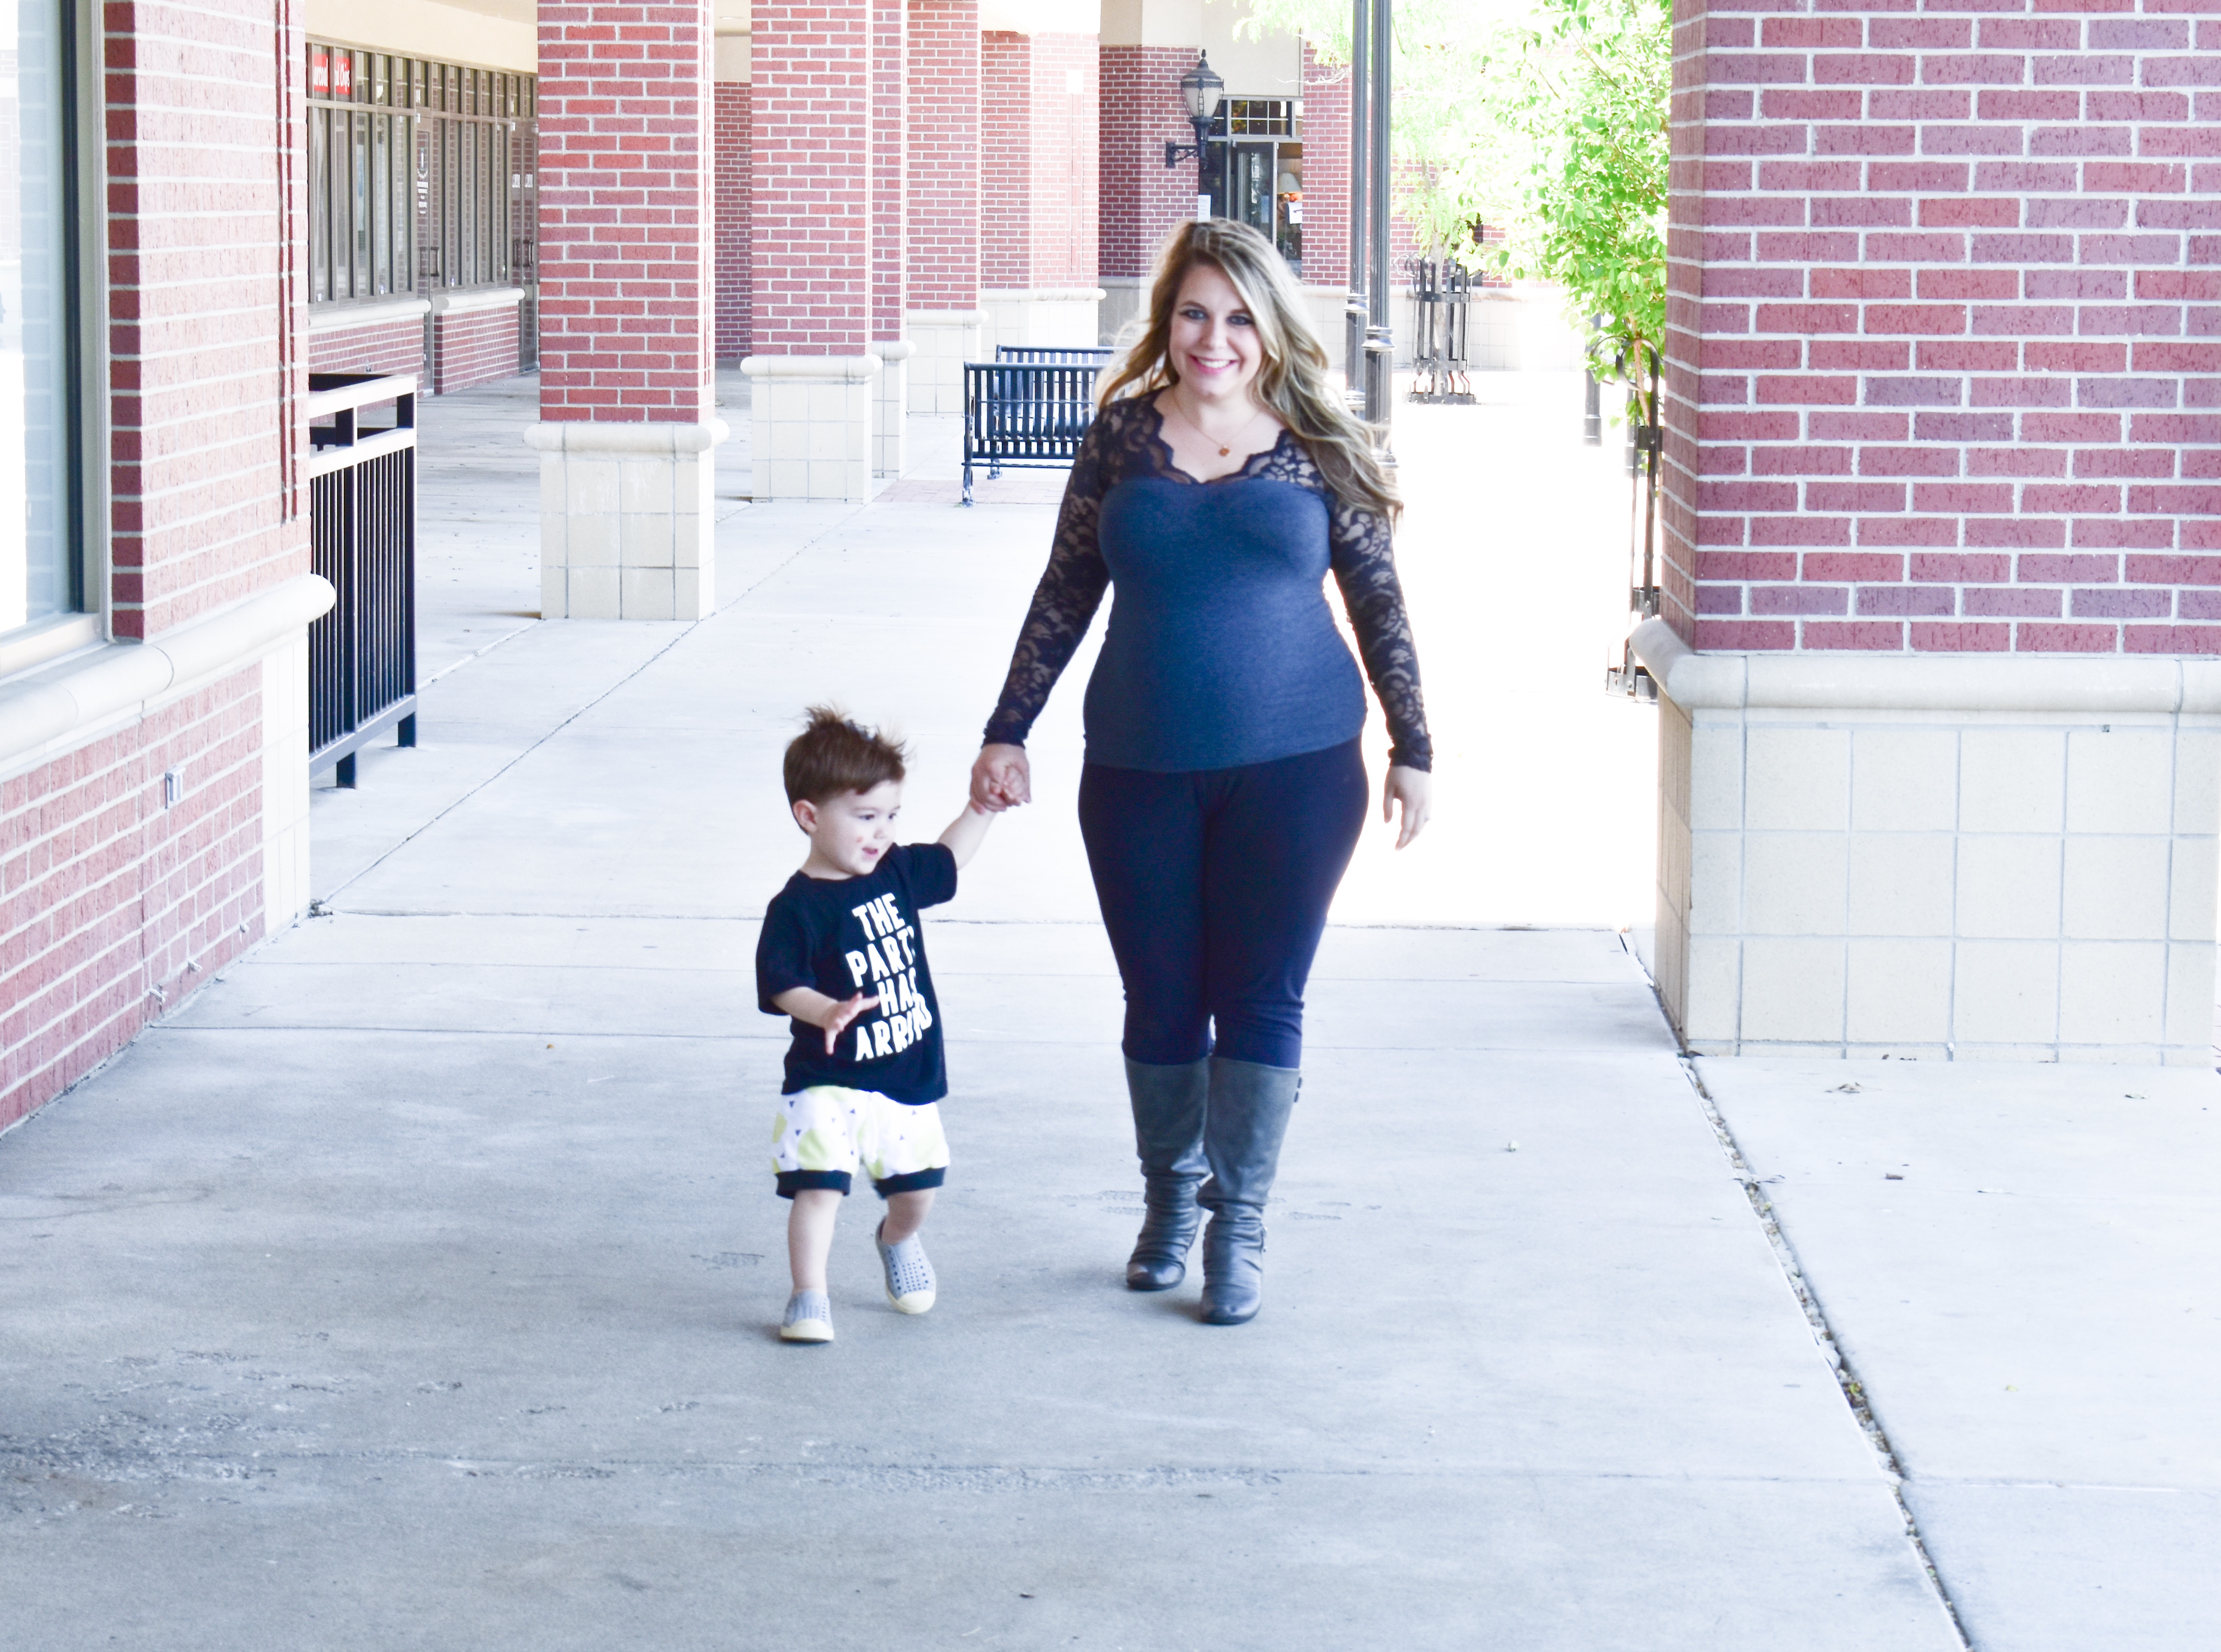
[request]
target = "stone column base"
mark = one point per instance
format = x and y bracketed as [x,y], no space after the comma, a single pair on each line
[944,340]
[1050,316]
[890,408]
[285,888]
[626,522]
[1124,311]
[1950,857]
[811,426]
[1325,308]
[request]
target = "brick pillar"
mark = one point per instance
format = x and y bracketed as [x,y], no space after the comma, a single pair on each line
[944,317]
[1943,777]
[627,160]
[1326,198]
[1141,198]
[889,233]
[1038,181]
[812,308]
[733,137]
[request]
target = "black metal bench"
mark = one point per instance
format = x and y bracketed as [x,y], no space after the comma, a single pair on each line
[1080,354]
[1027,408]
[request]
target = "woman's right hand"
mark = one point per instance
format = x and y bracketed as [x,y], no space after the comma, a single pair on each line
[1001,777]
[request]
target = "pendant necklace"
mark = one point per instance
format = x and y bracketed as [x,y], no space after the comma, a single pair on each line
[1224,451]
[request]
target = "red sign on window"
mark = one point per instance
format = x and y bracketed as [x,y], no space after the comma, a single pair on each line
[343,75]
[320,74]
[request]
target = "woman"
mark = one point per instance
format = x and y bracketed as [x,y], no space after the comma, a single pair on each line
[1223,790]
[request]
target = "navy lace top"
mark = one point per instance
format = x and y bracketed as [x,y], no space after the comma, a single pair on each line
[1220,650]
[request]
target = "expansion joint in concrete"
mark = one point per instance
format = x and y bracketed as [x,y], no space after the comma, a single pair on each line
[1847,1377]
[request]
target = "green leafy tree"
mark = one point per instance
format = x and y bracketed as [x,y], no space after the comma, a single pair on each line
[1546,117]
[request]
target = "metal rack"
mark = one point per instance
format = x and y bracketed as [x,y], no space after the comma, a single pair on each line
[1441,302]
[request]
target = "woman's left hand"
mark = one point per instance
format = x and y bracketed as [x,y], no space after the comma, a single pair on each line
[1414,789]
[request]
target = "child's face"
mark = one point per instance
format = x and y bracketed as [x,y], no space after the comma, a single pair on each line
[849,833]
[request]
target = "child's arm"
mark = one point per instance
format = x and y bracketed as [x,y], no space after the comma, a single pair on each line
[805,1004]
[966,832]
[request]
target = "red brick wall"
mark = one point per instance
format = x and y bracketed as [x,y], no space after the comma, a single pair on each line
[1141,198]
[1946,329]
[809,158]
[944,155]
[890,180]
[1326,174]
[626,167]
[106,898]
[1038,161]
[198,332]
[732,252]
[383,346]
[1065,169]
[1006,118]
[473,347]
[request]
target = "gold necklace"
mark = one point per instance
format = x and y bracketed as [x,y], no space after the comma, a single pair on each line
[1205,435]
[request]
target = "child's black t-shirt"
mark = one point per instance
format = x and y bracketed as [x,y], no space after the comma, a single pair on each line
[861,935]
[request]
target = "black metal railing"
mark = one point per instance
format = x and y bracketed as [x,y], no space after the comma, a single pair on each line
[1441,305]
[1026,415]
[362,500]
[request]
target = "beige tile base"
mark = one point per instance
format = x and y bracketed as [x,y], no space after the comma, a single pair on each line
[2030,881]
[625,520]
[944,340]
[813,423]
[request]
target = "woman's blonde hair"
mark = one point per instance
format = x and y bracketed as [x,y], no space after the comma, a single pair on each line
[1291,379]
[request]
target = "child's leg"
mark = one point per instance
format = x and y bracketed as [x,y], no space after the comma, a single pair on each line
[810,1234]
[905,1215]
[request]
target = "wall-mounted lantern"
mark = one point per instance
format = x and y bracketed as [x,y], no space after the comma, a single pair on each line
[1201,90]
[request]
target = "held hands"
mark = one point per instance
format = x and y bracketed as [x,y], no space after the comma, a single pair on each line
[1002,779]
[1414,789]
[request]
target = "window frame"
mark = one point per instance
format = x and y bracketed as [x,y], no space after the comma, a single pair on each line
[89,619]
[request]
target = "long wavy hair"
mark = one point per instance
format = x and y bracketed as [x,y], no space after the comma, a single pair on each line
[1292,378]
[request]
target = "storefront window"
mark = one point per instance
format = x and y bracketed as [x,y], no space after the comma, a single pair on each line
[1260,177]
[38,536]
[418,176]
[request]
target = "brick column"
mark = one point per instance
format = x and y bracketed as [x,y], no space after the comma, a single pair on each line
[1942,491]
[811,188]
[733,138]
[889,233]
[1038,178]
[1142,198]
[627,160]
[944,317]
[1326,197]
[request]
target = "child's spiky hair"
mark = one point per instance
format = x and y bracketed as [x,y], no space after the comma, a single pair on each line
[834,755]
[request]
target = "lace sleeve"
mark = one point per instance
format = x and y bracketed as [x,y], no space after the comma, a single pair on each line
[1365,567]
[1070,590]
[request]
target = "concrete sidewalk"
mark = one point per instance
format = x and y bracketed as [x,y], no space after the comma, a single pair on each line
[415,1285]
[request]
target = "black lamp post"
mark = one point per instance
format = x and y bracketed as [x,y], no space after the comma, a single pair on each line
[1201,91]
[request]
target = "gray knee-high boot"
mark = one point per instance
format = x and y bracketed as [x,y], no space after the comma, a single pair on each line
[1243,1127]
[1168,1138]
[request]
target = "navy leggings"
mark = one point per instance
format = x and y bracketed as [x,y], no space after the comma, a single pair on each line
[1215,886]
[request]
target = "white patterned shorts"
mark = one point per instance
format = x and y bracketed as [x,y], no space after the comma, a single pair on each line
[825,1134]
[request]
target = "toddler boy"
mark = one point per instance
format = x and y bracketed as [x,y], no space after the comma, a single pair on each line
[840,953]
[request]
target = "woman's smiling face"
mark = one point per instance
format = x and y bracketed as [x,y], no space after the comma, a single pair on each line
[1215,348]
